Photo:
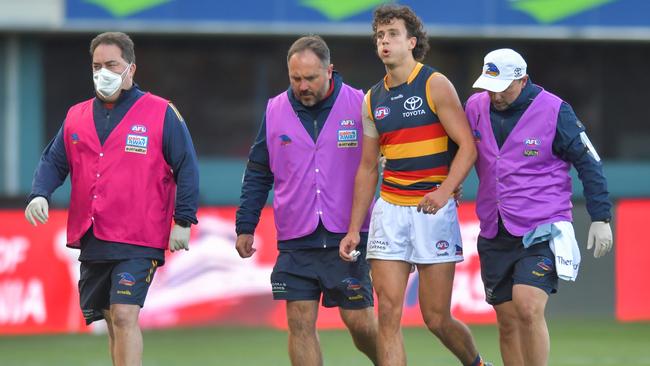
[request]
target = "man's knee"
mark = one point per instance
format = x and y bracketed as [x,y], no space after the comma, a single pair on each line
[360,322]
[529,312]
[122,316]
[301,327]
[437,322]
[389,304]
[301,318]
[507,327]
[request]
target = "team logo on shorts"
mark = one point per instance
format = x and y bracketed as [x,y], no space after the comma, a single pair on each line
[381,112]
[126,279]
[75,138]
[545,264]
[352,289]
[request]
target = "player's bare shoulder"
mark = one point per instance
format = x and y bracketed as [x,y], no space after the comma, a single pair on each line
[442,91]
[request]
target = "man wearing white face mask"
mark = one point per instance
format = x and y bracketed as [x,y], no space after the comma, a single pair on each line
[132,168]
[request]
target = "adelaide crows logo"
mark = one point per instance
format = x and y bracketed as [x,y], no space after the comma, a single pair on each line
[126,279]
[491,69]
[285,140]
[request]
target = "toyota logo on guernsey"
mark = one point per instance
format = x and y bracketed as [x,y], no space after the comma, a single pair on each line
[412,105]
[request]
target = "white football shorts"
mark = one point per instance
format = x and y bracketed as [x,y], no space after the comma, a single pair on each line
[404,234]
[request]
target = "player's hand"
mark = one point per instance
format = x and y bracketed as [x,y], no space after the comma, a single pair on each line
[348,244]
[244,245]
[600,236]
[432,202]
[458,194]
[179,238]
[37,209]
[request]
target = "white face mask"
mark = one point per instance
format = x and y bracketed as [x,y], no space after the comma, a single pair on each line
[108,82]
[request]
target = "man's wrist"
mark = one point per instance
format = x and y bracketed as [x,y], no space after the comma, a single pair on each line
[245,229]
[182,222]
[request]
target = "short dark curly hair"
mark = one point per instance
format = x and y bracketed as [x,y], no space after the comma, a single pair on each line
[119,39]
[384,14]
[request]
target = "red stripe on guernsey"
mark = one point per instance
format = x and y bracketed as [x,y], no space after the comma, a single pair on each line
[404,192]
[416,174]
[413,134]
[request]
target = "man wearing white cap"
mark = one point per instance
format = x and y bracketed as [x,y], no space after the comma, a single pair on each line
[527,139]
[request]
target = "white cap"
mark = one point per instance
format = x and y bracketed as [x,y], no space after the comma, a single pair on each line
[500,68]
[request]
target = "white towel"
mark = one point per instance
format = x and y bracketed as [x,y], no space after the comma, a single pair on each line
[563,244]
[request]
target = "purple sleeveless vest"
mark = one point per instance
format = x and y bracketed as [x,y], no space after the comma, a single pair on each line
[523,182]
[314,180]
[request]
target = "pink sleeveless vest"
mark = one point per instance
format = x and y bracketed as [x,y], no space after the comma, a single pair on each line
[125,188]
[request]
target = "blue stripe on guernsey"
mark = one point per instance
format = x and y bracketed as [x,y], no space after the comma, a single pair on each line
[420,186]
[384,126]
[419,163]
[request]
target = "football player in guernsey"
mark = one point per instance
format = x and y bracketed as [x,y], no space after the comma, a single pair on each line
[415,119]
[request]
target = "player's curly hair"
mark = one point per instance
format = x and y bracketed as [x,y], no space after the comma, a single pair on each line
[384,14]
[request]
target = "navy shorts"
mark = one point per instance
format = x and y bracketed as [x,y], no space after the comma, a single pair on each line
[505,262]
[104,283]
[305,274]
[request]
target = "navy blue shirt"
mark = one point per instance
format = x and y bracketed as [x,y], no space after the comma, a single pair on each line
[258,179]
[178,151]
[567,145]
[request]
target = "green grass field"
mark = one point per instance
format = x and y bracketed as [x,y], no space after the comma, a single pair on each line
[572,343]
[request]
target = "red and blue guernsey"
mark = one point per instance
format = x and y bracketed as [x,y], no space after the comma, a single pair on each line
[124,188]
[314,181]
[523,182]
[411,137]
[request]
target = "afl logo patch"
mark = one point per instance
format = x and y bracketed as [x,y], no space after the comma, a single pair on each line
[138,129]
[442,245]
[381,112]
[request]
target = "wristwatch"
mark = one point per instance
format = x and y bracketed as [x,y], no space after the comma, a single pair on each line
[182,223]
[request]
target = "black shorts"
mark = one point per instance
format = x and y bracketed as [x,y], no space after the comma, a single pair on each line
[121,282]
[505,262]
[304,274]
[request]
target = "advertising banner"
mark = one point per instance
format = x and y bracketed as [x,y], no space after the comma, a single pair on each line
[465,13]
[207,285]
[632,248]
